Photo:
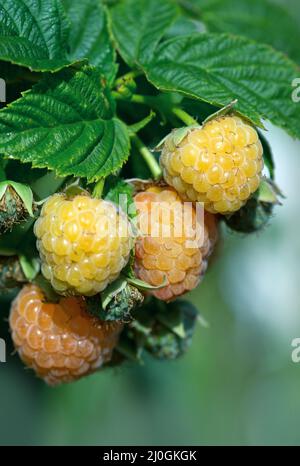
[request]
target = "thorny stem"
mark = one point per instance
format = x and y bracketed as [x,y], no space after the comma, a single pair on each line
[148,157]
[98,188]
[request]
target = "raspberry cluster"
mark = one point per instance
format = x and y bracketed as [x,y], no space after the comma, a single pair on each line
[83,242]
[219,164]
[61,342]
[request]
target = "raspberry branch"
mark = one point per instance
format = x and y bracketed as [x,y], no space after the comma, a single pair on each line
[148,157]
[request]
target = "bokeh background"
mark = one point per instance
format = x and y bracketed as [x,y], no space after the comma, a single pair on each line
[236,385]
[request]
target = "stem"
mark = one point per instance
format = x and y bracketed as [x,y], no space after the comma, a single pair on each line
[184,116]
[98,188]
[148,157]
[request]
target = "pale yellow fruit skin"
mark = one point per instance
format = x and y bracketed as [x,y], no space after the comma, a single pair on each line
[83,243]
[60,341]
[219,164]
[161,258]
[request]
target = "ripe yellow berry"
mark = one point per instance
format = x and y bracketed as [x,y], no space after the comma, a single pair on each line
[173,243]
[84,243]
[60,342]
[211,162]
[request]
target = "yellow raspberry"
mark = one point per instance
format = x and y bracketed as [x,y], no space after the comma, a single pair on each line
[84,243]
[60,342]
[219,164]
[173,243]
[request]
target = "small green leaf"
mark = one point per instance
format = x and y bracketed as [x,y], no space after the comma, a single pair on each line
[138,26]
[89,35]
[66,123]
[219,68]
[33,33]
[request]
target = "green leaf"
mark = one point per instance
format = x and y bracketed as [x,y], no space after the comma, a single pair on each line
[268,155]
[256,19]
[141,285]
[33,33]
[23,191]
[89,35]
[138,26]
[66,123]
[219,68]
[164,330]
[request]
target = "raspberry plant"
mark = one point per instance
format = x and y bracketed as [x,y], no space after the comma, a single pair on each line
[117,110]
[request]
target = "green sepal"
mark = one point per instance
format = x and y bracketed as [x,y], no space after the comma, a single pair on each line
[50,295]
[174,138]
[30,266]
[163,330]
[140,284]
[136,127]
[116,190]
[16,204]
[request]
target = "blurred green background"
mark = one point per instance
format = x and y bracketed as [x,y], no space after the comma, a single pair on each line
[236,385]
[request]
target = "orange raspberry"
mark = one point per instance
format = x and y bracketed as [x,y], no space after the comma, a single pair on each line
[83,242]
[60,342]
[172,247]
[219,164]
